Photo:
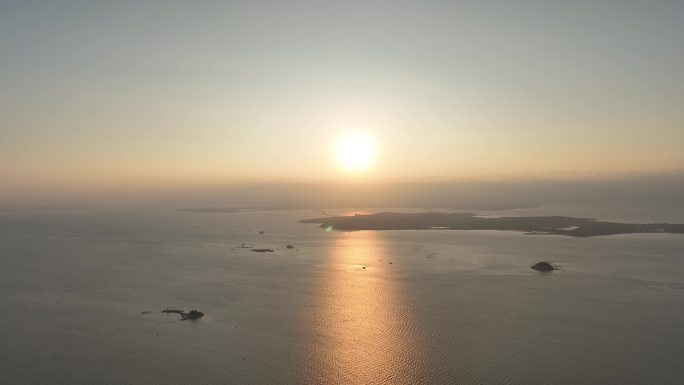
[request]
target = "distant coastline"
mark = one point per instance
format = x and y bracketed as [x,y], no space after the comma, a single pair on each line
[549,225]
[20,209]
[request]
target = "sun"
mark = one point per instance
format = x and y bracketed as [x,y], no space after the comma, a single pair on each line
[355,152]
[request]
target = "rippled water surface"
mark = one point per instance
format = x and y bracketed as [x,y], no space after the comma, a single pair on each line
[395,307]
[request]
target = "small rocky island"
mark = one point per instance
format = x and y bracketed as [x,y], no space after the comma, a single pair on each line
[555,225]
[543,266]
[193,314]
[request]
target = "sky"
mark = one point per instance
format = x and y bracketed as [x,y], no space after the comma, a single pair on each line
[112,94]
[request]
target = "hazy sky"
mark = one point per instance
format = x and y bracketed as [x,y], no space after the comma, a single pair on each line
[122,92]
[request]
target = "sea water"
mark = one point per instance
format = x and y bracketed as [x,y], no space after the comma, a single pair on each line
[390,307]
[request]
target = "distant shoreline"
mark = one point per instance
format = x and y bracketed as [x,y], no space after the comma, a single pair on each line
[545,225]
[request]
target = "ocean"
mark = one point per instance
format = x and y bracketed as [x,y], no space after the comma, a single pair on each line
[391,307]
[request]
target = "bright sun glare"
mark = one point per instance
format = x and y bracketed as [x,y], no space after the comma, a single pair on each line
[355,152]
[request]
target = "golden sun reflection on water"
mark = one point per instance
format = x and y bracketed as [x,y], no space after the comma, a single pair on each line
[363,326]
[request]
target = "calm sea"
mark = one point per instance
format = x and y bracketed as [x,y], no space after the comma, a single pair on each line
[430,307]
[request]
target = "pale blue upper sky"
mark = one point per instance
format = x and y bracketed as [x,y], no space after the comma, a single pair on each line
[236,90]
